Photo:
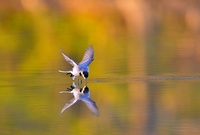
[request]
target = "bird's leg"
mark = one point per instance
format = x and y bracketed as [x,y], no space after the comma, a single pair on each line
[71,75]
[73,85]
[79,81]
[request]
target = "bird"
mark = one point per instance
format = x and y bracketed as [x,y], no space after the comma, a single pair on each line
[82,94]
[80,69]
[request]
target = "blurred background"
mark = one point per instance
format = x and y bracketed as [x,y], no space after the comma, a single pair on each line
[131,38]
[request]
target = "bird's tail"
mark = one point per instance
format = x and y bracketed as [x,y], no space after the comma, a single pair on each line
[61,71]
[67,72]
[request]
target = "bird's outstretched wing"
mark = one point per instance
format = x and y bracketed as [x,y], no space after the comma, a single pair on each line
[68,104]
[88,56]
[70,61]
[91,105]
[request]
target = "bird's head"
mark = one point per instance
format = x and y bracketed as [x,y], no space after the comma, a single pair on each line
[84,74]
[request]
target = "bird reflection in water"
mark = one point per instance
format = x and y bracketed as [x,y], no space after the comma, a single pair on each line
[82,94]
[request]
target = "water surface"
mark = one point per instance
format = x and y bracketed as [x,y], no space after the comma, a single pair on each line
[31,104]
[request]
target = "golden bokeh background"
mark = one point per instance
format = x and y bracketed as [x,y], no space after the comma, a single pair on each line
[133,39]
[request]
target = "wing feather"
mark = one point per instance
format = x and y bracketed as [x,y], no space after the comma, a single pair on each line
[68,104]
[88,56]
[70,61]
[91,105]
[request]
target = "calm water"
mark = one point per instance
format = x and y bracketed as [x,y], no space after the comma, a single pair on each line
[31,104]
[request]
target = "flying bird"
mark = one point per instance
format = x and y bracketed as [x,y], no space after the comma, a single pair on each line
[80,69]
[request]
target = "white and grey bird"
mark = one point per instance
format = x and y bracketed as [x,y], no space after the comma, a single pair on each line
[80,69]
[82,94]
